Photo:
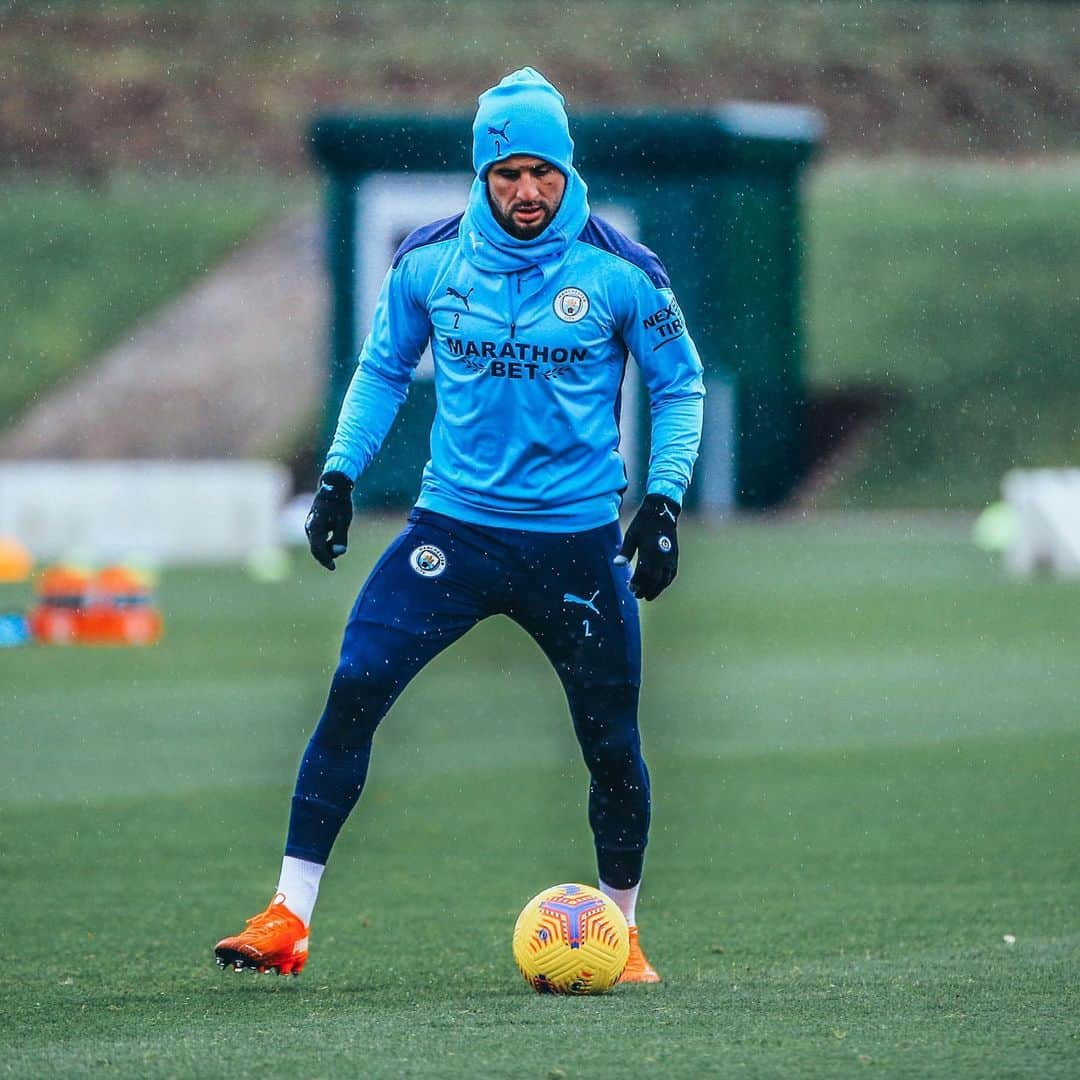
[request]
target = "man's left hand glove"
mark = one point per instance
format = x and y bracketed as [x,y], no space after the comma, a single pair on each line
[327,525]
[654,537]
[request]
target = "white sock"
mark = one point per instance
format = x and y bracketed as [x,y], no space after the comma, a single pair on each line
[299,882]
[626,899]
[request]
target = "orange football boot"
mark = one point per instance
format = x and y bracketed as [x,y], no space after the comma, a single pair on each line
[275,940]
[638,969]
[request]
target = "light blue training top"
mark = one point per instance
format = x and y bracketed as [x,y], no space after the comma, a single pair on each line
[530,342]
[528,372]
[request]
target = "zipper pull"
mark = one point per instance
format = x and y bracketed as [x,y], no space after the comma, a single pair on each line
[513,327]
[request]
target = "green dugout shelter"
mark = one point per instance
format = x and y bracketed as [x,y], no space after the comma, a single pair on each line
[715,194]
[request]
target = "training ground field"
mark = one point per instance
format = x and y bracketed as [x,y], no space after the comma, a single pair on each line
[863,742]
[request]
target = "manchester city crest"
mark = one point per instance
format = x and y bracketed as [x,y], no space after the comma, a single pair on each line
[428,560]
[571,305]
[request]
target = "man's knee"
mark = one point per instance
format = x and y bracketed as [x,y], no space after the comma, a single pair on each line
[605,721]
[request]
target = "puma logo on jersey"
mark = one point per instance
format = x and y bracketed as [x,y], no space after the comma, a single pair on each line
[463,297]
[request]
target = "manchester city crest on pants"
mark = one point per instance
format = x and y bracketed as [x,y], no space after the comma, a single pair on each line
[427,560]
[571,305]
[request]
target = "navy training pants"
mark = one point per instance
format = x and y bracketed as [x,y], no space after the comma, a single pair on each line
[436,581]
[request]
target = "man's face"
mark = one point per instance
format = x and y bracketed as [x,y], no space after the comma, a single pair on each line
[524,193]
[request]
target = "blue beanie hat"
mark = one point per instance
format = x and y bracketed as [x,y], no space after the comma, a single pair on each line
[524,114]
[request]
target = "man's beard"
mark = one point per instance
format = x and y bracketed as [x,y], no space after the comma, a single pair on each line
[523,232]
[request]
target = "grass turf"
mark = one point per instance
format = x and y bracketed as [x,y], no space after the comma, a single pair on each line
[864,763]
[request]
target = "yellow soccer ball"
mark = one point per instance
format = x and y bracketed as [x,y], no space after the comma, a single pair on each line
[571,939]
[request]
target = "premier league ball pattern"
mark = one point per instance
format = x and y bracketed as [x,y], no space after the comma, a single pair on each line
[571,939]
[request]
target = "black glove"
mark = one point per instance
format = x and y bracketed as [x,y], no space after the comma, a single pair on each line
[327,525]
[653,536]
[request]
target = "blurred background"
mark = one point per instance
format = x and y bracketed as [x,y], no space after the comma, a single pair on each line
[861,732]
[163,228]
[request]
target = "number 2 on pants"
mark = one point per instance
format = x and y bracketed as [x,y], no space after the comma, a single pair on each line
[585,623]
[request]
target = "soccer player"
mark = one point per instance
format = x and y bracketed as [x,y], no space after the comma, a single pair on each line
[531,305]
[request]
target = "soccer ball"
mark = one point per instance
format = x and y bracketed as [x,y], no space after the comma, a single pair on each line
[571,939]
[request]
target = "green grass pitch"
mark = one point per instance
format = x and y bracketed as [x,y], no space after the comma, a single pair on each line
[863,742]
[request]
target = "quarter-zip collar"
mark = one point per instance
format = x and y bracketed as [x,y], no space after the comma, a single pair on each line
[520,285]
